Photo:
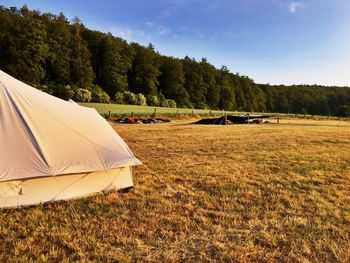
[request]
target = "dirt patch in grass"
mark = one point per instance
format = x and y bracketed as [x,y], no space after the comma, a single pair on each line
[235,193]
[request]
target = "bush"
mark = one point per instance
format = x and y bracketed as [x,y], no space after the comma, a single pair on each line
[189,106]
[164,103]
[63,92]
[104,97]
[129,98]
[162,100]
[171,103]
[98,95]
[82,95]
[119,98]
[152,100]
[202,105]
[141,100]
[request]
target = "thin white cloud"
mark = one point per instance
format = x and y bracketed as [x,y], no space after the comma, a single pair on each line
[171,8]
[129,34]
[293,7]
[150,25]
[162,30]
[147,34]
[122,32]
[157,28]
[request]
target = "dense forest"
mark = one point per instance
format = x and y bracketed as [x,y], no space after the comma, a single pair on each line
[68,60]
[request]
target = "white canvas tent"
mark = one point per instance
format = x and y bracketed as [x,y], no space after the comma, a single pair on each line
[51,149]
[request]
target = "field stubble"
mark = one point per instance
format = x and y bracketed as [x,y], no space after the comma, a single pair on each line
[235,193]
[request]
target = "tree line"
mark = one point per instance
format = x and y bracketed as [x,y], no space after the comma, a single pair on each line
[68,60]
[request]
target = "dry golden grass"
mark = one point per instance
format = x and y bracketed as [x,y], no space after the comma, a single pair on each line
[239,193]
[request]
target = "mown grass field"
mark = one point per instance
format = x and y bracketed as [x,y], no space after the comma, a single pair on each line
[121,110]
[240,193]
[136,110]
[126,110]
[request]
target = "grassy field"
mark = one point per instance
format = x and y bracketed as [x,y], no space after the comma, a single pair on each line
[120,110]
[240,193]
[126,110]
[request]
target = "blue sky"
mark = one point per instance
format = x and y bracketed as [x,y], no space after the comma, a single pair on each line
[271,41]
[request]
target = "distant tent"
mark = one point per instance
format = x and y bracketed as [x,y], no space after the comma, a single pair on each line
[50,149]
[234,119]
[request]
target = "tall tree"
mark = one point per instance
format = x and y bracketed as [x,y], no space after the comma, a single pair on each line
[212,88]
[194,83]
[80,69]
[116,62]
[9,21]
[248,91]
[27,46]
[59,53]
[171,81]
[143,77]
[228,98]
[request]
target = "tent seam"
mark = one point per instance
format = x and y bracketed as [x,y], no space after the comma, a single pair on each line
[27,127]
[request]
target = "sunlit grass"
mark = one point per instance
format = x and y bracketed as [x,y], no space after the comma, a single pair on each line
[241,193]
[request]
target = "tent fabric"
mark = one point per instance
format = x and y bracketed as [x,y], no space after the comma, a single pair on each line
[32,191]
[73,102]
[41,135]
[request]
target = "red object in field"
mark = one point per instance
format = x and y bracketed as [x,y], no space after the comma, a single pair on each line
[128,120]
